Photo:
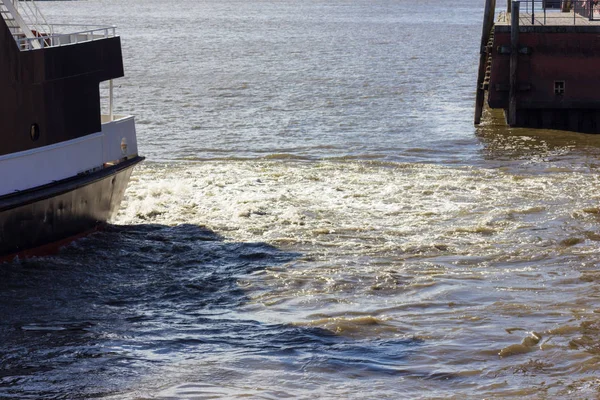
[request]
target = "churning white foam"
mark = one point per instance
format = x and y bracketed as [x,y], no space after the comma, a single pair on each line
[366,207]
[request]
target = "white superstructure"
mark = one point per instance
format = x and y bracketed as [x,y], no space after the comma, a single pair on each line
[44,165]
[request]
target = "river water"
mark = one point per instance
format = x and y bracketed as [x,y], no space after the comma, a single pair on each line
[317,218]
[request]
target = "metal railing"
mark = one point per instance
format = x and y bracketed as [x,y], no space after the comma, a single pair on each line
[32,15]
[17,26]
[86,34]
[589,9]
[560,12]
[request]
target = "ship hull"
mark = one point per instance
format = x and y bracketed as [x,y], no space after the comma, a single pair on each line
[36,220]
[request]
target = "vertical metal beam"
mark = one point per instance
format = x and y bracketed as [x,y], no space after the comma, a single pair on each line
[488,24]
[110,100]
[514,63]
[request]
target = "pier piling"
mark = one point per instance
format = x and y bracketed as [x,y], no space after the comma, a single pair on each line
[488,23]
[514,63]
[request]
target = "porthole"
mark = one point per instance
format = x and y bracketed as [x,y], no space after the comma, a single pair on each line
[559,88]
[34,132]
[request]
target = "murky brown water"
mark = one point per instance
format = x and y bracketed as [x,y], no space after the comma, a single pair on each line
[318,218]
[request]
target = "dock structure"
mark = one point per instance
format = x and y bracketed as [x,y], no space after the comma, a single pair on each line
[540,63]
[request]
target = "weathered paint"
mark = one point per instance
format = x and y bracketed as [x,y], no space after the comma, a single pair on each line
[47,215]
[548,55]
[570,57]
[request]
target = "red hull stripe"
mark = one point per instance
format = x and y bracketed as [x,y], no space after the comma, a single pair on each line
[49,248]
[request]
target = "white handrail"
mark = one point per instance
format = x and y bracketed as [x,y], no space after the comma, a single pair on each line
[39,34]
[62,39]
[33,16]
[22,25]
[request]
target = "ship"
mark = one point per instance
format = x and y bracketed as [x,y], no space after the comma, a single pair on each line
[539,63]
[64,163]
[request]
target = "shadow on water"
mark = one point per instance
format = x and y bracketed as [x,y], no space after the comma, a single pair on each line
[125,303]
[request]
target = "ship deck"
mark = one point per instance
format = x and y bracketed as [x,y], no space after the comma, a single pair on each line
[549,18]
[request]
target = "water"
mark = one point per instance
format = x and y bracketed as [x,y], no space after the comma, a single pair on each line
[317,218]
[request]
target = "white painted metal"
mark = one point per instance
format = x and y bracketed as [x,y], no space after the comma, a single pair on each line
[33,17]
[110,99]
[36,167]
[22,26]
[31,30]
[62,39]
[122,127]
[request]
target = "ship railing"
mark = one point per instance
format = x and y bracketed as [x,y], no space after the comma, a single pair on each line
[86,34]
[556,12]
[33,17]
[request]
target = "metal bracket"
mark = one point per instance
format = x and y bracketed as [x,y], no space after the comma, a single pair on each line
[525,50]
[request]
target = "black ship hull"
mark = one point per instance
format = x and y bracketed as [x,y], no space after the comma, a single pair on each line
[35,220]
